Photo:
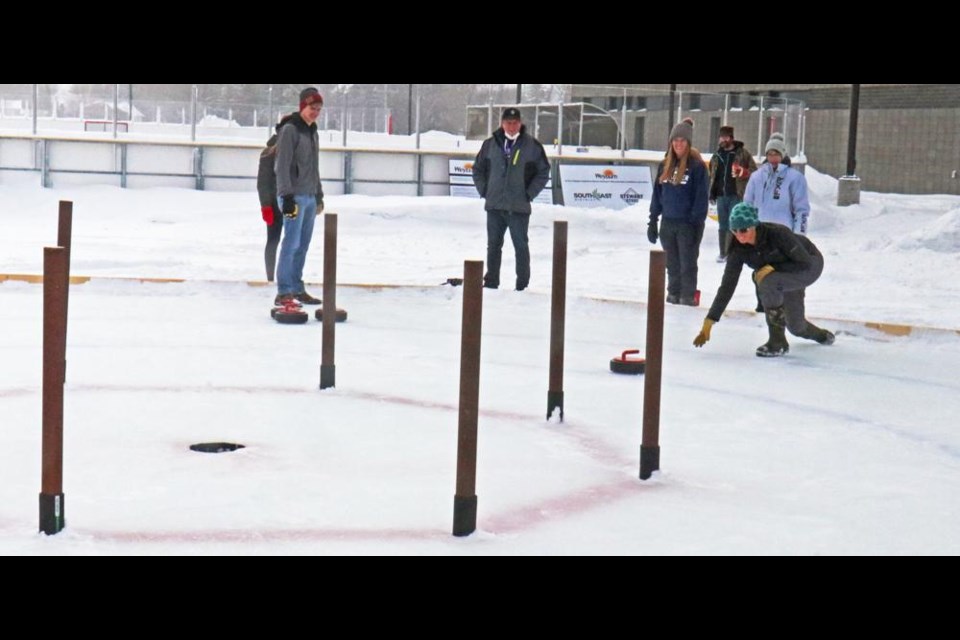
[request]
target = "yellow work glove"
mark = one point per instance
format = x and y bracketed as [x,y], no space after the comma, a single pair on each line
[762,273]
[704,336]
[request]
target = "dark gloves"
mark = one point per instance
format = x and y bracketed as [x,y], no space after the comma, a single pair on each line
[289,207]
[652,233]
[268,214]
[319,203]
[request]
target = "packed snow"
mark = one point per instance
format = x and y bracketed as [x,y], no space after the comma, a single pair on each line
[849,449]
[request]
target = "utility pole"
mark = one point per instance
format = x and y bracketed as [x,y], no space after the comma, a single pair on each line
[848,187]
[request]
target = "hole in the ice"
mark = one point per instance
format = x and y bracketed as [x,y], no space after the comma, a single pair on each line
[215,447]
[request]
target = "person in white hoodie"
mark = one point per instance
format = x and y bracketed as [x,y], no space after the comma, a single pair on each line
[778,190]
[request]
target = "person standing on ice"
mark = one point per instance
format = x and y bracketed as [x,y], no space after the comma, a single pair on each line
[300,193]
[730,168]
[680,197]
[267,191]
[785,264]
[510,170]
[778,190]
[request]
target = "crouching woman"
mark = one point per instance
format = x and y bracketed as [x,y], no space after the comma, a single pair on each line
[784,264]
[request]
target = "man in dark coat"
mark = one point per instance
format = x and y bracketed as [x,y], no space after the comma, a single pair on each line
[730,169]
[510,170]
[785,264]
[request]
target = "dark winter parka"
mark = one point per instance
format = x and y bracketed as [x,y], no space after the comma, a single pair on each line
[510,181]
[776,246]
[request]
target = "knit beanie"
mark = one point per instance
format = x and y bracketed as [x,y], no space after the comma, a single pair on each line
[310,95]
[743,216]
[683,129]
[776,143]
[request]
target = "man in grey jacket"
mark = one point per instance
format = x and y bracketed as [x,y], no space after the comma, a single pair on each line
[510,170]
[300,194]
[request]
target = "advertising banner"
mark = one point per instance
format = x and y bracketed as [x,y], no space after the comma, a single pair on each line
[461,182]
[610,186]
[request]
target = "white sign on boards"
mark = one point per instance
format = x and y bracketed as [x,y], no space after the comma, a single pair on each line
[461,182]
[609,186]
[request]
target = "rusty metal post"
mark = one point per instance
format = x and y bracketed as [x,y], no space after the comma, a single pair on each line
[65,228]
[465,499]
[64,239]
[328,370]
[650,444]
[55,277]
[558,312]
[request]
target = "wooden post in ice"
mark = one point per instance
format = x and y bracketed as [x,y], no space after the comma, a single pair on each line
[650,444]
[55,283]
[328,370]
[558,311]
[465,499]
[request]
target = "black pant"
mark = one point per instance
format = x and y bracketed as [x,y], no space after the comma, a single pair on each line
[681,243]
[273,241]
[788,290]
[497,224]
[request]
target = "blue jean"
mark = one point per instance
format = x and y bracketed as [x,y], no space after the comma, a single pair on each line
[297,233]
[725,205]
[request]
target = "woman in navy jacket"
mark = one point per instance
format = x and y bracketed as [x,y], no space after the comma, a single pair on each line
[680,197]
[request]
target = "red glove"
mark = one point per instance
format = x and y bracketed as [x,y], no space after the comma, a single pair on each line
[267,213]
[739,171]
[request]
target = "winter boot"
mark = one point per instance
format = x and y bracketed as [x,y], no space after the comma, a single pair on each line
[777,344]
[817,334]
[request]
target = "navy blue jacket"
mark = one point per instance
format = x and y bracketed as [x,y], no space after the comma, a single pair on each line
[685,202]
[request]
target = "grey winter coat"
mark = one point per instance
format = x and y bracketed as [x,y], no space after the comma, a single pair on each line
[298,158]
[510,182]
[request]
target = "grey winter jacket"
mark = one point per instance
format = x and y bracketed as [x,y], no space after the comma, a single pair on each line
[510,182]
[298,159]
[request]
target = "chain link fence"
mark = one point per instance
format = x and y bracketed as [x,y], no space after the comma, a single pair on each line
[895,120]
[213,111]
[613,116]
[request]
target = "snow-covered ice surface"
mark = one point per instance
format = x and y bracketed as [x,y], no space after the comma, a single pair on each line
[849,449]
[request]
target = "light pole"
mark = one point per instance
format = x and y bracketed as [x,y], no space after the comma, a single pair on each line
[848,187]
